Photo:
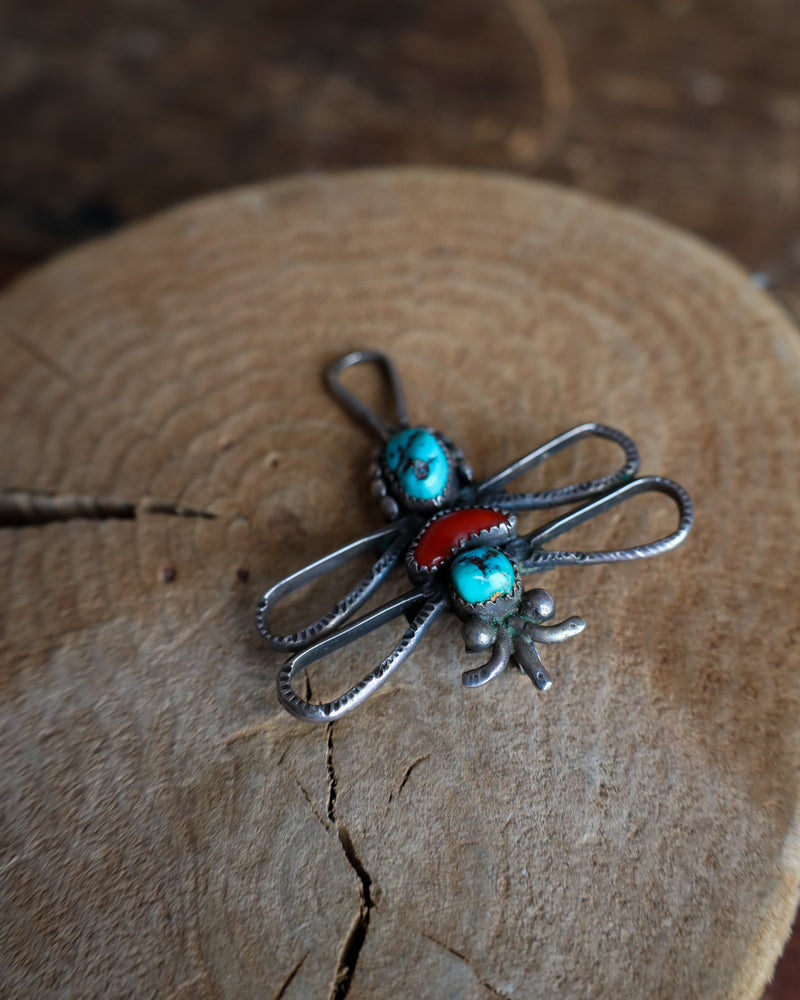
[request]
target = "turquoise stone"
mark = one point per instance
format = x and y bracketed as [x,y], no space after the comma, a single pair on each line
[418,462]
[482,574]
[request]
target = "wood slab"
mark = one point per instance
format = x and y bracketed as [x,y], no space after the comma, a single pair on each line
[170,451]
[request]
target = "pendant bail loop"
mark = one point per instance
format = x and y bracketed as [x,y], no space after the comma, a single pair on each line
[355,406]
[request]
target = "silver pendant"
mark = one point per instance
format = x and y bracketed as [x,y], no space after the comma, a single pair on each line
[461,550]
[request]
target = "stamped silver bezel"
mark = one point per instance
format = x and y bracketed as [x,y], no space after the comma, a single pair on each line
[492,537]
[495,609]
[383,478]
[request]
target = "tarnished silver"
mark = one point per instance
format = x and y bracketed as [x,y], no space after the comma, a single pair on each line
[355,406]
[480,519]
[424,610]
[390,541]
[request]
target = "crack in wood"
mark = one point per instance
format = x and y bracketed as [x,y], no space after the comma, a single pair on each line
[331,807]
[348,953]
[307,797]
[288,980]
[23,508]
[406,776]
[357,931]
[460,955]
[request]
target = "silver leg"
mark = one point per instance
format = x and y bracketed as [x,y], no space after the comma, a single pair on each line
[573,625]
[527,657]
[498,662]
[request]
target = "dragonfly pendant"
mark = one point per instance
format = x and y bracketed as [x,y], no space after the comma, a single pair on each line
[459,543]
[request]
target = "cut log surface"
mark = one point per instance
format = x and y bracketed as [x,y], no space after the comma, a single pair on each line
[169,451]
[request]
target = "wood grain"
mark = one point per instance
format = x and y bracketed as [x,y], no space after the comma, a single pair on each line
[169,830]
[685,108]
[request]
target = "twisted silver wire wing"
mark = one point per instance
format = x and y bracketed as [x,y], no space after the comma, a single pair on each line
[532,558]
[492,490]
[396,536]
[423,618]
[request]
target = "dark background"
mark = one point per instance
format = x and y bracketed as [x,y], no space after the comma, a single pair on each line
[689,110]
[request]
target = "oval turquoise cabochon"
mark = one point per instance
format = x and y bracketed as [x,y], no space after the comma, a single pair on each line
[482,574]
[419,463]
